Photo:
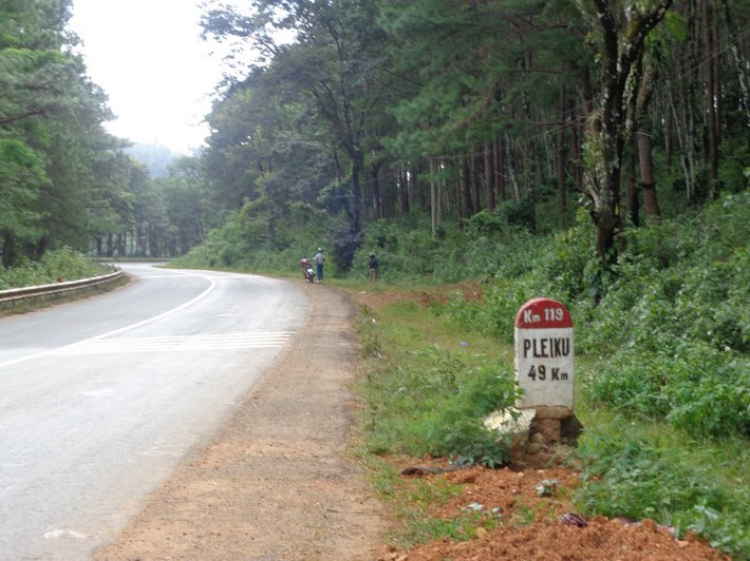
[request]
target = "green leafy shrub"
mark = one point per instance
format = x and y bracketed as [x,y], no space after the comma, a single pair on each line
[566,259]
[63,264]
[633,386]
[672,332]
[709,393]
[631,478]
[682,388]
[457,430]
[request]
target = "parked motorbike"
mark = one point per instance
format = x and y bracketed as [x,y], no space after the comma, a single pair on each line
[307,270]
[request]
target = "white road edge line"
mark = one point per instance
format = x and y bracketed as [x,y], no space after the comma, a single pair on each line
[201,296]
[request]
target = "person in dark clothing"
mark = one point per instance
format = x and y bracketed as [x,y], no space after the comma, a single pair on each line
[373,263]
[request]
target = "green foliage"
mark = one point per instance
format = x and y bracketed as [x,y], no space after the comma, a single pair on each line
[629,477]
[243,243]
[60,173]
[670,337]
[682,388]
[430,399]
[63,264]
[21,177]
[673,329]
[404,249]
[567,262]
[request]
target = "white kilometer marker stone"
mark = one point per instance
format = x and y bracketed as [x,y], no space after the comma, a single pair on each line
[544,364]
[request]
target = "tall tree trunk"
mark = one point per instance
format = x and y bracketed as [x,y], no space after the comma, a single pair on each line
[358,161]
[561,191]
[633,198]
[120,245]
[439,190]
[740,67]
[683,123]
[377,202]
[500,169]
[648,183]
[41,247]
[711,99]
[475,168]
[643,135]
[622,45]
[458,190]
[466,182]
[420,190]
[669,138]
[576,133]
[489,178]
[511,168]
[434,194]
[403,191]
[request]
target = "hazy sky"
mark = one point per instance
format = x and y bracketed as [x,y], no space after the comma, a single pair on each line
[148,56]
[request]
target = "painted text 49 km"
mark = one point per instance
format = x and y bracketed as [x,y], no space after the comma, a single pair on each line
[540,373]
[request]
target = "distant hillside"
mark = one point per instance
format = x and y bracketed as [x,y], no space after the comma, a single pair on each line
[156,157]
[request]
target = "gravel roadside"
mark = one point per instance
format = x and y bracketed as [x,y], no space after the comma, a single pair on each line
[278,481]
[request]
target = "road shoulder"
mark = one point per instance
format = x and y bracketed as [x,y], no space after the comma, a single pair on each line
[278,481]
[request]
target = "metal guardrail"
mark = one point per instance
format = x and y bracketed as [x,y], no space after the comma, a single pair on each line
[14,295]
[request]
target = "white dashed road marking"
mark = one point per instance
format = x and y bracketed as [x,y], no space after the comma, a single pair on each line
[220,341]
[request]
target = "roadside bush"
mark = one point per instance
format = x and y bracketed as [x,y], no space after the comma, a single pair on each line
[457,430]
[65,264]
[502,300]
[630,478]
[636,387]
[709,392]
[565,261]
[712,303]
[683,387]
[671,335]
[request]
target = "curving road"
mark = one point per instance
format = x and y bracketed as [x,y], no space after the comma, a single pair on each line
[100,399]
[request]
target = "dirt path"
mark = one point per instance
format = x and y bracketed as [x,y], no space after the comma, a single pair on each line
[278,481]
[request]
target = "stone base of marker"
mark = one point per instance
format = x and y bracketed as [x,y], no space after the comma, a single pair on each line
[540,436]
[551,439]
[536,454]
[548,421]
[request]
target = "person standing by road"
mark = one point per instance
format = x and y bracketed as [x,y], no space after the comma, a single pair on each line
[320,260]
[373,263]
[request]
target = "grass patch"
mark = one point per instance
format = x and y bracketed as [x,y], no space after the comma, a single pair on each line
[429,387]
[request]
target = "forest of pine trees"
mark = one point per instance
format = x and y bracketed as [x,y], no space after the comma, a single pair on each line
[377,109]
[361,110]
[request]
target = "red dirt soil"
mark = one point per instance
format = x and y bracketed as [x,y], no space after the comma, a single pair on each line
[531,527]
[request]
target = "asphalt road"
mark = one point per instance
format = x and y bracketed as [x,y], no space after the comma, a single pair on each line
[100,399]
